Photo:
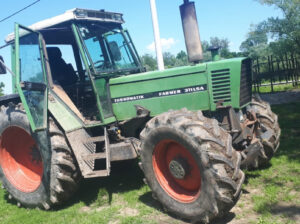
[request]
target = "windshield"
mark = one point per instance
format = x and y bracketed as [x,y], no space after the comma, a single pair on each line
[109,48]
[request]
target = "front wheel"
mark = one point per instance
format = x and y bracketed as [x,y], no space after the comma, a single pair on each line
[36,169]
[190,165]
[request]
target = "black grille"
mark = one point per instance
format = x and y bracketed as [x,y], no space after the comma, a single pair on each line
[100,15]
[246,82]
[221,85]
[104,15]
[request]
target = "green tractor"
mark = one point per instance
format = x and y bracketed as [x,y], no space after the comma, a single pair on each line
[192,127]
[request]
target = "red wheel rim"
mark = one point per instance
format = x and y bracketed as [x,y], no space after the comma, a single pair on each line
[184,190]
[20,159]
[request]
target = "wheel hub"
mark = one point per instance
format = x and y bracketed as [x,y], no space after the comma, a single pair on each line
[176,171]
[178,168]
[20,159]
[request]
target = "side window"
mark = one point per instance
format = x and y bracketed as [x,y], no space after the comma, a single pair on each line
[100,59]
[120,51]
[32,82]
[95,50]
[30,59]
[67,54]
[62,64]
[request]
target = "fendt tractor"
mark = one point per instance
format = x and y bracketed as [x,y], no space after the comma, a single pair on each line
[193,127]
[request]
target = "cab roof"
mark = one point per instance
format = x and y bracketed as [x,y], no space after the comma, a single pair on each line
[71,15]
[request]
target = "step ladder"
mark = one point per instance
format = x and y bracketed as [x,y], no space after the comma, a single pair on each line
[84,148]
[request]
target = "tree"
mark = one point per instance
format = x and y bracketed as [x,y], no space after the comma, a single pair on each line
[1,88]
[181,59]
[169,60]
[288,28]
[182,56]
[223,44]
[149,62]
[205,45]
[256,44]
[257,36]
[285,32]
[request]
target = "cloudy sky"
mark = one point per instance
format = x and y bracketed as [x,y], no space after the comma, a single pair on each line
[223,18]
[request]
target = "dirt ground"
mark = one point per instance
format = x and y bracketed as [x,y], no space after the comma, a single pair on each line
[242,212]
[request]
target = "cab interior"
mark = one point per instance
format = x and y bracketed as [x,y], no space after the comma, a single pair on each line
[71,80]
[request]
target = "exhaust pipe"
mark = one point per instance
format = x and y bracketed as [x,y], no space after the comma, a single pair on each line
[215,54]
[191,31]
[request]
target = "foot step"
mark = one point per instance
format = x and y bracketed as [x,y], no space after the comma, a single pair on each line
[96,139]
[98,173]
[101,155]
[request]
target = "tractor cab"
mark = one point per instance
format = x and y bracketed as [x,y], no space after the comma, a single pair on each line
[80,51]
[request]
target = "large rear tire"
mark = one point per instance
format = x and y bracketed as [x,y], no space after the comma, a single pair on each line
[190,165]
[268,133]
[36,169]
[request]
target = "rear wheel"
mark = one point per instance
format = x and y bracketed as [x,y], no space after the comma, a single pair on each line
[37,169]
[24,168]
[268,133]
[190,165]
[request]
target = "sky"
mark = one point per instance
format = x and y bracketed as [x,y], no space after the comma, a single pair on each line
[229,19]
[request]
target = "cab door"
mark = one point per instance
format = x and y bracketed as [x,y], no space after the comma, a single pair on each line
[92,54]
[31,79]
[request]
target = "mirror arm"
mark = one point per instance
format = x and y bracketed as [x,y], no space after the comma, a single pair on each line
[8,69]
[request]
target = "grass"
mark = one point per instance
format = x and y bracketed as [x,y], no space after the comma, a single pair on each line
[277,88]
[271,195]
[278,184]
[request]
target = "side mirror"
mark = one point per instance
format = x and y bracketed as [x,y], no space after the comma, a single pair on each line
[2,66]
[115,51]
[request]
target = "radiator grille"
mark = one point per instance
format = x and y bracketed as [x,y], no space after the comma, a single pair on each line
[221,85]
[246,82]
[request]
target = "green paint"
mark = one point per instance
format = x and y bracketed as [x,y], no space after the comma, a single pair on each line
[234,66]
[157,105]
[13,66]
[133,46]
[196,87]
[192,101]
[215,55]
[177,78]
[97,91]
[159,74]
[65,117]
[103,95]
[33,120]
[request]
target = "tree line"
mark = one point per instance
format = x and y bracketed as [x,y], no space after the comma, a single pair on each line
[273,36]
[181,58]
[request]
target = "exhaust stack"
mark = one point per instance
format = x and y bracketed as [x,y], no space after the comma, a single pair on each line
[215,54]
[191,31]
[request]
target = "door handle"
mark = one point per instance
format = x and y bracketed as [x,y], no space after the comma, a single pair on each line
[32,86]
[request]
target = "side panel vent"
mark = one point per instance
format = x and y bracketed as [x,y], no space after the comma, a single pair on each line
[246,82]
[221,85]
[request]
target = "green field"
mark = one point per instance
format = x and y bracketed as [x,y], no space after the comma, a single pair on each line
[277,88]
[270,195]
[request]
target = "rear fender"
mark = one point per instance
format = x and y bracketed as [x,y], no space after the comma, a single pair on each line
[11,98]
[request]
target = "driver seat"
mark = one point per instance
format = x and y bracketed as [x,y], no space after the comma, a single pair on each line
[62,73]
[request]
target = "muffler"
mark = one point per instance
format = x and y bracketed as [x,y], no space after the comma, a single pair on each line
[191,31]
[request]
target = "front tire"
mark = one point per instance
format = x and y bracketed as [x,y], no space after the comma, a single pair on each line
[36,169]
[190,165]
